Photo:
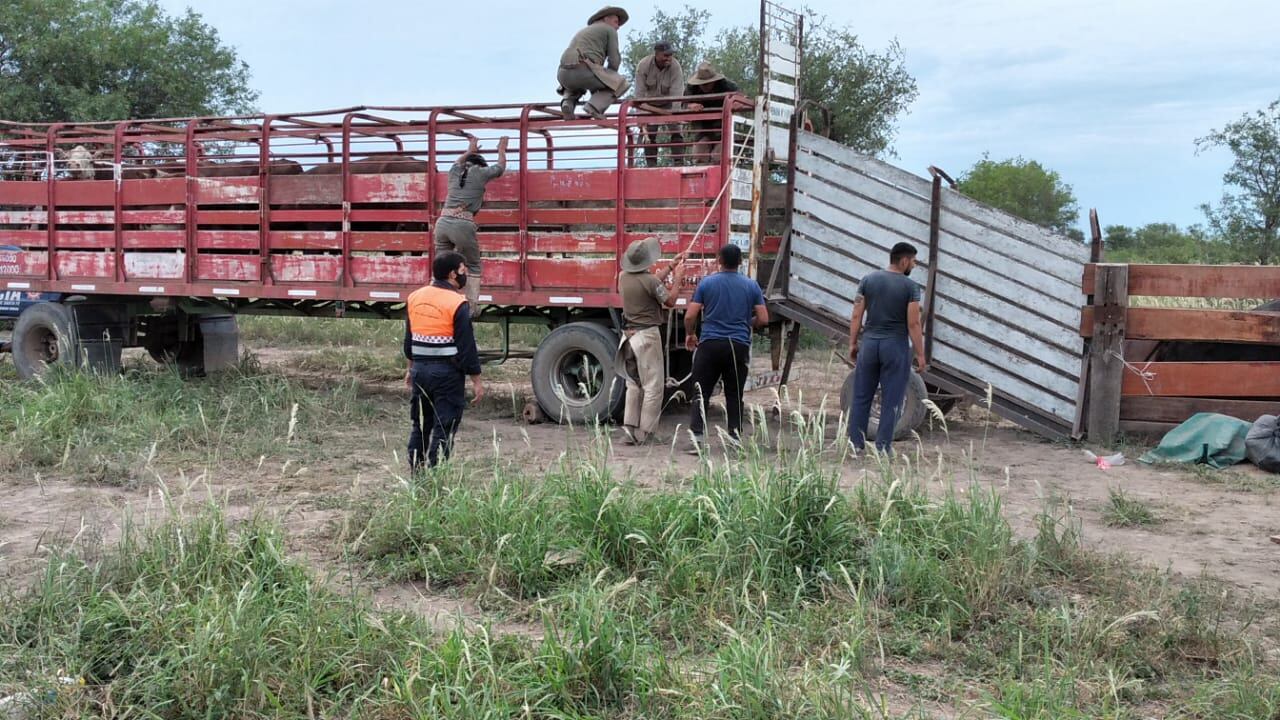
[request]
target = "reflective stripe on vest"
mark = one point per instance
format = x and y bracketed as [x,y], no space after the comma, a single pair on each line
[431,310]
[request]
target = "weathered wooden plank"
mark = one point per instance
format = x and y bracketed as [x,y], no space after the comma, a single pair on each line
[401,270]
[1106,353]
[23,217]
[24,192]
[154,266]
[306,268]
[1211,281]
[306,240]
[228,191]
[967,217]
[838,275]
[84,193]
[780,89]
[781,50]
[1178,409]
[818,242]
[1204,379]
[1145,429]
[154,239]
[591,274]
[159,191]
[234,268]
[1179,324]
[873,219]
[306,190]
[995,356]
[228,240]
[781,66]
[1005,379]
[907,217]
[391,241]
[999,329]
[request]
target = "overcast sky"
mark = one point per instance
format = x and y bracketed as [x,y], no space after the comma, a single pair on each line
[1110,93]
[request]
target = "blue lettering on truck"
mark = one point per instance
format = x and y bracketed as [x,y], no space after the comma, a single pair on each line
[13,302]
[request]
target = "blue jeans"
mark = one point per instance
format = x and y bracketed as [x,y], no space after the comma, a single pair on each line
[437,399]
[883,363]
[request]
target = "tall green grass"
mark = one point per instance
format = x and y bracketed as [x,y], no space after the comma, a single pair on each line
[191,619]
[110,426]
[753,551]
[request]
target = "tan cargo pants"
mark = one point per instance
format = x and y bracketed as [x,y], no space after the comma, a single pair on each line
[644,399]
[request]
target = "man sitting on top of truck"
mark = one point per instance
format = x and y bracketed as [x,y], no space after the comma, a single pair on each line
[591,62]
[707,80]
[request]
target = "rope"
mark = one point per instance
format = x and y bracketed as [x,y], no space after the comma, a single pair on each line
[673,382]
[1146,375]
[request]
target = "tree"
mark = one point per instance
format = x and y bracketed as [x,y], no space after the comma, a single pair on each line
[865,90]
[1248,216]
[1024,188]
[85,60]
[1162,243]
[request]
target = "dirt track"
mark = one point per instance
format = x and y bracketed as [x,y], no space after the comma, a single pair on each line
[1217,523]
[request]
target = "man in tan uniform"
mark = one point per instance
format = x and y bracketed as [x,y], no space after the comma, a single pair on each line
[644,295]
[591,63]
[659,76]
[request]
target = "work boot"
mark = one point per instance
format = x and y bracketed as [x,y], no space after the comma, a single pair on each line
[566,108]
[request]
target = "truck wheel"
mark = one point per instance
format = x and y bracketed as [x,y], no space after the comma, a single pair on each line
[43,336]
[573,377]
[913,415]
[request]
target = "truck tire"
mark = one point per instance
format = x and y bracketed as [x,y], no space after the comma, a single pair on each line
[44,335]
[573,377]
[913,415]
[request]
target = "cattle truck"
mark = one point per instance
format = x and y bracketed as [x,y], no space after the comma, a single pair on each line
[159,233]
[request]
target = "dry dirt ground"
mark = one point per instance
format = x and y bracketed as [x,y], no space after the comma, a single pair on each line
[1215,523]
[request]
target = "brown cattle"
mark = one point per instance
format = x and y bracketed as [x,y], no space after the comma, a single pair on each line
[249,168]
[373,166]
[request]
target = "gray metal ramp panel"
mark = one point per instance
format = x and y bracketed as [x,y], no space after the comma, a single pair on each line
[1008,296]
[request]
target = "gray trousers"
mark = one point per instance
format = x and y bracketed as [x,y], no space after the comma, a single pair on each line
[458,235]
[579,80]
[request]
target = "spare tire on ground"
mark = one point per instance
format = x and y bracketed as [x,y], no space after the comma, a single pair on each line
[913,414]
[1262,444]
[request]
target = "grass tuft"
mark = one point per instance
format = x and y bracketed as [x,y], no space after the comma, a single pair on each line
[1125,511]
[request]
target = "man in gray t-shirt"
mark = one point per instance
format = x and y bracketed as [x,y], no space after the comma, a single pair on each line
[881,346]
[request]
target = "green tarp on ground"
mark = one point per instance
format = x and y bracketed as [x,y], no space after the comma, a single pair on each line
[1210,438]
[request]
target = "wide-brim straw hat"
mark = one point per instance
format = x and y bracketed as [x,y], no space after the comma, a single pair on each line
[706,73]
[641,255]
[623,17]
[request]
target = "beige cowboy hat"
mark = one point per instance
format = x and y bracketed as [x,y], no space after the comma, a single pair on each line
[706,73]
[623,17]
[641,255]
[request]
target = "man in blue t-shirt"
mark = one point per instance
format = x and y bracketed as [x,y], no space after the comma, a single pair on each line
[882,356]
[730,305]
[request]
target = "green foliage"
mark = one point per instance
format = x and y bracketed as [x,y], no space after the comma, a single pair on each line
[1248,216]
[866,90]
[1024,188]
[108,427]
[91,60]
[1163,243]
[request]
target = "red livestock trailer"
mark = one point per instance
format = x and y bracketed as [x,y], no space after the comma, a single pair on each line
[157,233]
